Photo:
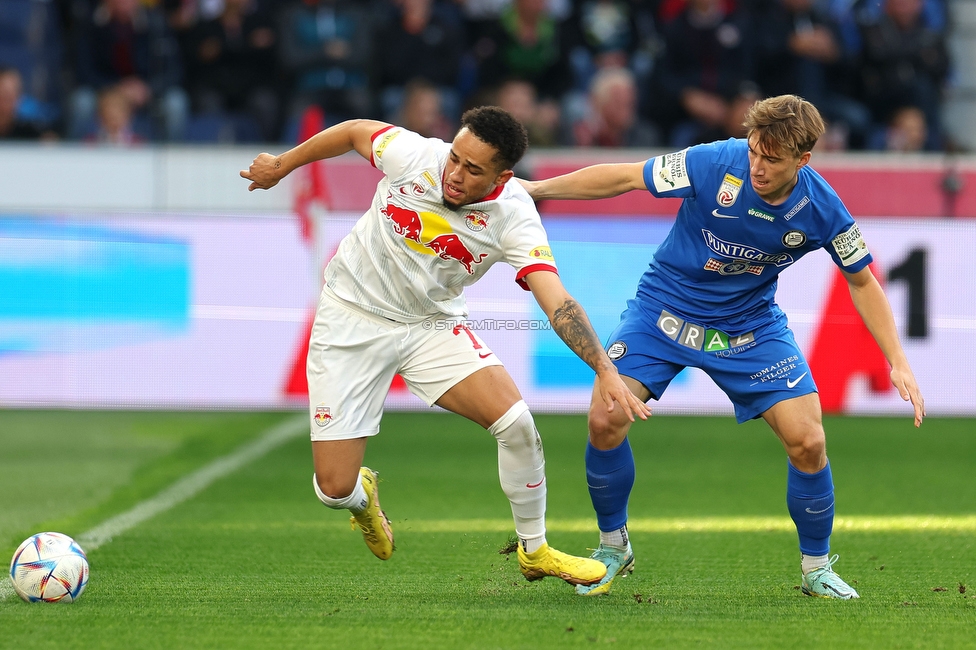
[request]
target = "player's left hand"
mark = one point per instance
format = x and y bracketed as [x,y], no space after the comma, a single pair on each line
[904,380]
[614,391]
[264,173]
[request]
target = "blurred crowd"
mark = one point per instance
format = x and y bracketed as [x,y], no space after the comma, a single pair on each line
[595,73]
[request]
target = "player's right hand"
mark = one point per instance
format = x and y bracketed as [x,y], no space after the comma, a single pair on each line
[904,380]
[264,173]
[612,390]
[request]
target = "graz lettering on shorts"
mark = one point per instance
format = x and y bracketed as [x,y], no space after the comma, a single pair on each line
[779,370]
[698,337]
[743,252]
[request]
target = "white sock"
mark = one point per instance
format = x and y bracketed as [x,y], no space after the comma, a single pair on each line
[616,538]
[810,562]
[521,464]
[531,544]
[355,502]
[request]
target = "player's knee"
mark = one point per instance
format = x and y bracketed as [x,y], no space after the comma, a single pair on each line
[333,486]
[607,430]
[808,453]
[516,429]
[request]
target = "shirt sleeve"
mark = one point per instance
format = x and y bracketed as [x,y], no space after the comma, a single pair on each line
[675,174]
[848,248]
[526,247]
[395,150]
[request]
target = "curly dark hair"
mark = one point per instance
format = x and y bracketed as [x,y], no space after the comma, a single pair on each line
[497,128]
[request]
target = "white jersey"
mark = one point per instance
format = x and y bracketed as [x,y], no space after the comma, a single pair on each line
[410,256]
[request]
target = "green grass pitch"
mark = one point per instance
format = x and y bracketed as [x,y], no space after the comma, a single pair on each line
[254,561]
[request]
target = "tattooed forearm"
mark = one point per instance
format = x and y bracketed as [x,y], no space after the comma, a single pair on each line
[573,327]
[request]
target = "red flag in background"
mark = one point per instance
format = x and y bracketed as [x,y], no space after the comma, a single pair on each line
[844,348]
[311,186]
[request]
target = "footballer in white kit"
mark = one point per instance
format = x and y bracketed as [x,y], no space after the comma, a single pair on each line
[393,303]
[407,261]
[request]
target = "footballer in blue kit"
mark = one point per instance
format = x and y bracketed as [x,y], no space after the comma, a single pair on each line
[750,209]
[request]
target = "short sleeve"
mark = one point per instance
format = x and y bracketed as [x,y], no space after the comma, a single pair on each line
[848,248]
[526,247]
[395,150]
[674,174]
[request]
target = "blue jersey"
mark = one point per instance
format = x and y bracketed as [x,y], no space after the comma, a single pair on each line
[719,264]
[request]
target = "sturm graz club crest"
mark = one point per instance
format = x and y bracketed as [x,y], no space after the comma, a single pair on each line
[617,350]
[794,239]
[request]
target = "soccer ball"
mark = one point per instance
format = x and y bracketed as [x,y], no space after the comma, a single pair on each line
[49,568]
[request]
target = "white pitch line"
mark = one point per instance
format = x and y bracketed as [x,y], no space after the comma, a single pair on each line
[187,487]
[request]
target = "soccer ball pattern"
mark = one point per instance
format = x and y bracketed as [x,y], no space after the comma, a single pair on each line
[49,568]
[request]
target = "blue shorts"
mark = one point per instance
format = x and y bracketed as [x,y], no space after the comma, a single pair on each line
[756,369]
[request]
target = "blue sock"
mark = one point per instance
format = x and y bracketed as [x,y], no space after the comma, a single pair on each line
[810,499]
[610,478]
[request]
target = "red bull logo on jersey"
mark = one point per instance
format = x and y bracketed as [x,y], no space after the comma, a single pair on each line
[406,223]
[476,221]
[323,416]
[450,247]
[431,234]
[728,191]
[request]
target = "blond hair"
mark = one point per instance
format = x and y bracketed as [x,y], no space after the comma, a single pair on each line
[785,124]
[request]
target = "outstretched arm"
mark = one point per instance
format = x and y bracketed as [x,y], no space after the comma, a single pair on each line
[573,327]
[871,303]
[594,182]
[266,170]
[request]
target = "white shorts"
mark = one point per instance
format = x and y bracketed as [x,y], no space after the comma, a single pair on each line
[353,356]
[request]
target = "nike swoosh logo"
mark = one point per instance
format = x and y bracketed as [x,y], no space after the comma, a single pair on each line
[529,485]
[484,356]
[716,213]
[790,383]
[819,512]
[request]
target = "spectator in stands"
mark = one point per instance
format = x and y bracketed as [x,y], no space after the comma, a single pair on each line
[418,39]
[528,43]
[612,119]
[608,31]
[232,69]
[905,63]
[12,127]
[129,46]
[421,111]
[115,119]
[906,131]
[706,76]
[802,52]
[31,42]
[540,119]
[325,48]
